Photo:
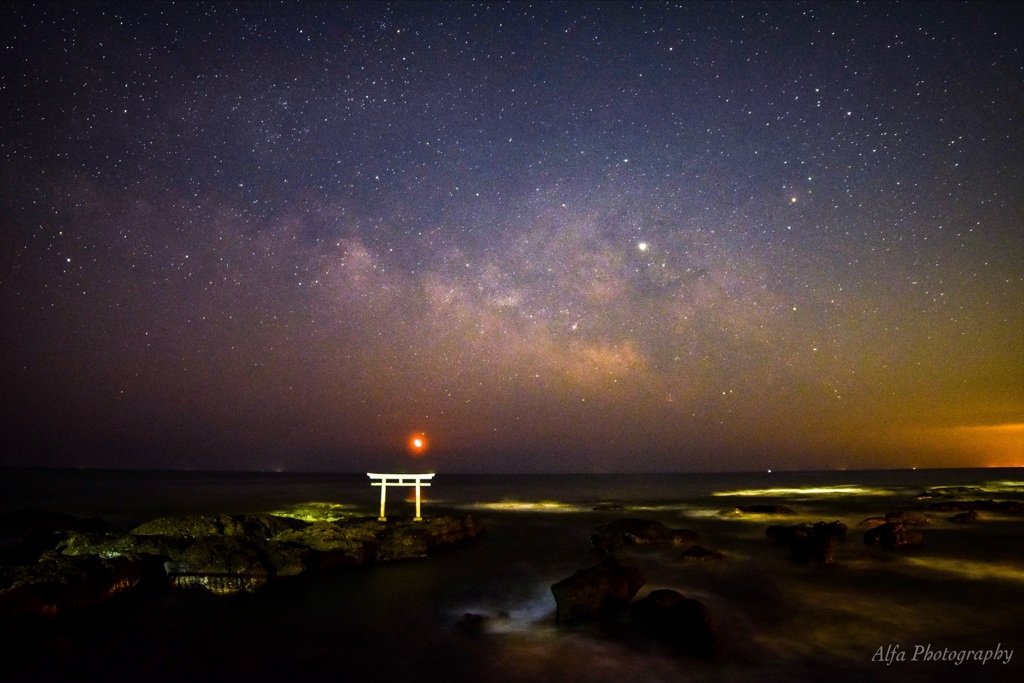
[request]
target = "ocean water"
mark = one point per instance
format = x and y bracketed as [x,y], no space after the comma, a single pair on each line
[962,590]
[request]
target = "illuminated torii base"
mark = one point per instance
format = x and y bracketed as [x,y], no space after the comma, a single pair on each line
[386,480]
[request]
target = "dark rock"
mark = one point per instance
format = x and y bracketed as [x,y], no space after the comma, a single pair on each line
[333,544]
[813,549]
[810,543]
[907,517]
[611,537]
[767,509]
[952,505]
[892,535]
[674,620]
[407,539]
[596,594]
[873,521]
[399,543]
[196,526]
[472,623]
[221,564]
[223,554]
[34,544]
[950,492]
[834,529]
[257,549]
[986,505]
[699,552]
[786,534]
[442,532]
[43,531]
[968,517]
[608,507]
[57,583]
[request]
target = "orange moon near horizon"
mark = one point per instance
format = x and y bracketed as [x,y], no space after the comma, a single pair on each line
[417,443]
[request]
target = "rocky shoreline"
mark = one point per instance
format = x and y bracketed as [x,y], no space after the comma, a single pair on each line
[64,563]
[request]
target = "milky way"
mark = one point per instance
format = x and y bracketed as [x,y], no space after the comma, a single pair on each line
[550,237]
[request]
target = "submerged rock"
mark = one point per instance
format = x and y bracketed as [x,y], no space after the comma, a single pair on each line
[968,517]
[813,549]
[597,594]
[907,517]
[612,537]
[950,492]
[671,619]
[766,509]
[785,534]
[987,505]
[892,535]
[700,553]
[810,543]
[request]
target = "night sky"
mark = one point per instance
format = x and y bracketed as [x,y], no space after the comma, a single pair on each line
[561,237]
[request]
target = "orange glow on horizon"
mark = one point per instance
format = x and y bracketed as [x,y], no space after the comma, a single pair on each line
[996,445]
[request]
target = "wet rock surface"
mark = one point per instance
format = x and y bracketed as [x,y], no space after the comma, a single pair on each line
[810,543]
[907,518]
[597,594]
[1009,506]
[762,509]
[82,564]
[669,618]
[701,554]
[892,535]
[968,517]
[600,596]
[612,537]
[57,583]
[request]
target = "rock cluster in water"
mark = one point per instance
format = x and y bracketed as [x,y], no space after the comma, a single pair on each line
[975,505]
[809,543]
[602,595]
[55,569]
[612,537]
[892,535]
[596,594]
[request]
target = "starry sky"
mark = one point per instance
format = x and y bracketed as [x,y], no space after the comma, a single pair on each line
[546,237]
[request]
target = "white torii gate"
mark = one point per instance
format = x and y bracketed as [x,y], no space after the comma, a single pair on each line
[386,480]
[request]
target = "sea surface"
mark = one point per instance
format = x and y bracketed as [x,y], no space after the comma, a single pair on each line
[962,590]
